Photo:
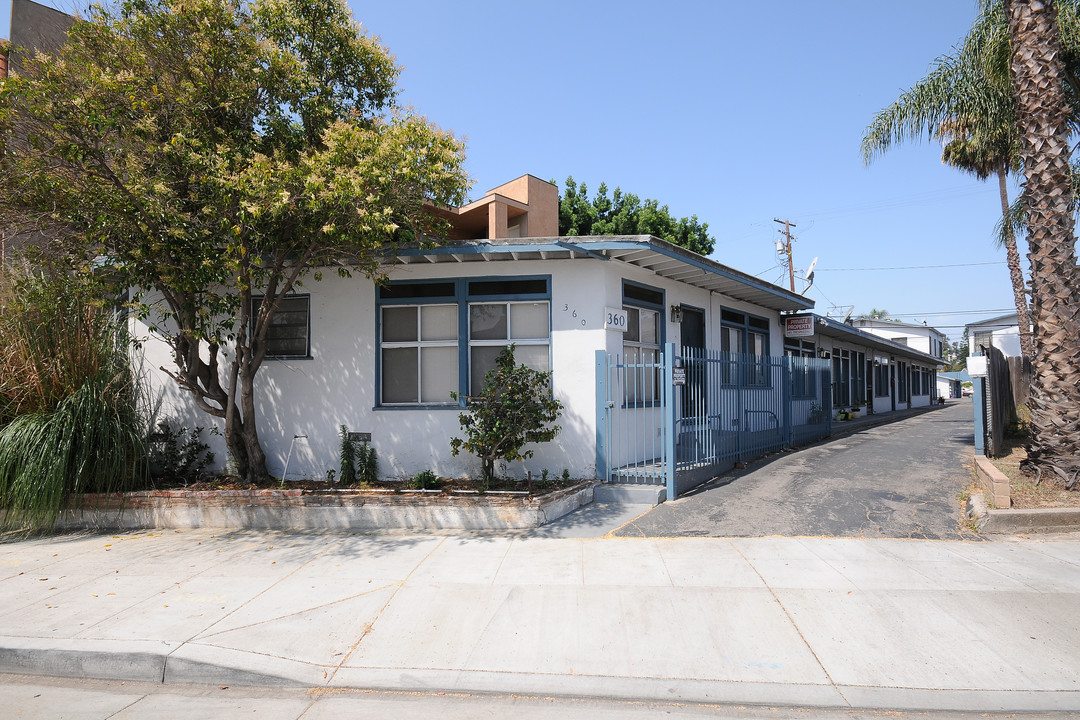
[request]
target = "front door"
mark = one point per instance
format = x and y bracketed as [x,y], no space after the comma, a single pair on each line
[692,339]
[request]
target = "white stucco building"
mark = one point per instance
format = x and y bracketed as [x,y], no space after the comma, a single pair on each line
[383,360]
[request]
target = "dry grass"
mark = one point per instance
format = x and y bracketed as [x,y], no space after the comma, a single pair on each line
[1025,493]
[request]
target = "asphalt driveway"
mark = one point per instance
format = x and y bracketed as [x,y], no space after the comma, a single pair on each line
[899,480]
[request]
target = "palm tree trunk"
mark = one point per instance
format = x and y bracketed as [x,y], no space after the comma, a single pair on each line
[1042,115]
[1016,274]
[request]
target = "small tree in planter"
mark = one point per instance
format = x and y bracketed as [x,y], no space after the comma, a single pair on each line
[514,408]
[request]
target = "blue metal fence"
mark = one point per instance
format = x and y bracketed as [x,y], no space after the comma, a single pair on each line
[680,420]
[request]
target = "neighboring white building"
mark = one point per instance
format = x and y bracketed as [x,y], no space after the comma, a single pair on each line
[922,337]
[868,369]
[1002,332]
[950,384]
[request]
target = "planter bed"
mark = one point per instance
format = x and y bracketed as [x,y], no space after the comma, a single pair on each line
[323,509]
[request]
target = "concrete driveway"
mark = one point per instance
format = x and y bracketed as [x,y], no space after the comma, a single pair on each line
[899,480]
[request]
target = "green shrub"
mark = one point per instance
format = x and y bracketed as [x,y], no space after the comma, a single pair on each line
[179,455]
[367,464]
[514,409]
[425,480]
[347,473]
[358,460]
[68,400]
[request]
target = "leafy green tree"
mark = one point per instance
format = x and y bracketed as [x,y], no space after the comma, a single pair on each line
[514,409]
[955,354]
[627,214]
[218,151]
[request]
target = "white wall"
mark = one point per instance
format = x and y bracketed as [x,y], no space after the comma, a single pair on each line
[1007,341]
[337,385]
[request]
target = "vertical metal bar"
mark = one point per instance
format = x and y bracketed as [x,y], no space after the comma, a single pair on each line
[669,420]
[603,410]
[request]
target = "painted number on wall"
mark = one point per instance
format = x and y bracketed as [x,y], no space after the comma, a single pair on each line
[572,312]
[615,319]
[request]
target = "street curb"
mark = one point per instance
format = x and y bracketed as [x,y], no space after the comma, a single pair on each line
[96,659]
[195,664]
[1039,520]
[1011,521]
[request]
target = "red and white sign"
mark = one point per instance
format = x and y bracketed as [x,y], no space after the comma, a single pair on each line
[799,327]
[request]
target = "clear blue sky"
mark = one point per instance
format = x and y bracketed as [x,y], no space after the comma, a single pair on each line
[736,112]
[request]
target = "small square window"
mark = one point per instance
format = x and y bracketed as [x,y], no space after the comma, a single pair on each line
[288,334]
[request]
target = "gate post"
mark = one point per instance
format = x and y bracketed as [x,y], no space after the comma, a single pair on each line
[978,397]
[787,365]
[602,372]
[669,420]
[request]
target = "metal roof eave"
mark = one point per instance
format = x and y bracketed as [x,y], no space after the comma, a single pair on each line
[831,328]
[644,251]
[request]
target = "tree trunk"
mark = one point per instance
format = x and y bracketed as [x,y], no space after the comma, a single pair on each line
[249,431]
[1042,115]
[1016,274]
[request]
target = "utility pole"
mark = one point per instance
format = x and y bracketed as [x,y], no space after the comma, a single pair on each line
[787,246]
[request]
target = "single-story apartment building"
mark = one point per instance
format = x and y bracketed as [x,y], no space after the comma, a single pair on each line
[869,371]
[384,359]
[656,352]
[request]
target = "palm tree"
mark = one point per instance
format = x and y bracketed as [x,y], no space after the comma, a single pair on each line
[967,103]
[985,151]
[1043,114]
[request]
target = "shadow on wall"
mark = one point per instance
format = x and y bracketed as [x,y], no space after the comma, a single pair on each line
[313,397]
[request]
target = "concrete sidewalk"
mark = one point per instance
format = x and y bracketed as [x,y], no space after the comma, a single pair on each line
[839,623]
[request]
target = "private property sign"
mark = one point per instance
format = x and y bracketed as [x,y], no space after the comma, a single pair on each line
[799,327]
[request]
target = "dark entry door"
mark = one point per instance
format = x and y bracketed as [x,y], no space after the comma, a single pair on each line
[692,339]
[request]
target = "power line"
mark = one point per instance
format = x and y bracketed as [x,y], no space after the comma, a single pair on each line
[951,312]
[910,267]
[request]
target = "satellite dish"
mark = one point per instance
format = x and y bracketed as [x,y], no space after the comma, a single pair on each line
[847,315]
[810,276]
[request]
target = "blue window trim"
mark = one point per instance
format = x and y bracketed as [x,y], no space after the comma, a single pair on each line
[661,322]
[256,301]
[462,299]
[745,329]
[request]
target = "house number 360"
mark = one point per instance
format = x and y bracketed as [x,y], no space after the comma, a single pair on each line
[573,313]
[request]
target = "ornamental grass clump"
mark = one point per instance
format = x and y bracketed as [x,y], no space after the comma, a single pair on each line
[69,418]
[514,409]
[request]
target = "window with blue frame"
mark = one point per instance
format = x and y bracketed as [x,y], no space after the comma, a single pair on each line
[443,336]
[746,338]
[803,375]
[642,340]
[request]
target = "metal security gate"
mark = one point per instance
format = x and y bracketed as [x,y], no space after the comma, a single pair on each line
[681,420]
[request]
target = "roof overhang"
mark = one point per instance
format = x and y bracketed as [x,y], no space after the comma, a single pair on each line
[828,327]
[643,251]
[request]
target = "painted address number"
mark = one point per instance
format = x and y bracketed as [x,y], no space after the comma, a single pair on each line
[615,319]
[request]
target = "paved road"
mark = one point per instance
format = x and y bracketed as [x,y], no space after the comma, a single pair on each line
[899,480]
[824,622]
[30,698]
